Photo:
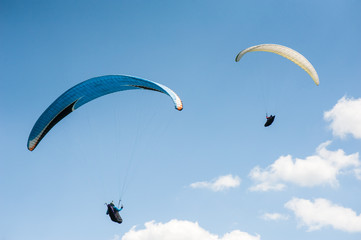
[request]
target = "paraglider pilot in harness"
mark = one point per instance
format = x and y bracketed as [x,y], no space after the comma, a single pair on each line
[113,212]
[270,120]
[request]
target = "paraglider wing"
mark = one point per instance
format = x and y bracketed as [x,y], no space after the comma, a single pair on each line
[286,52]
[87,91]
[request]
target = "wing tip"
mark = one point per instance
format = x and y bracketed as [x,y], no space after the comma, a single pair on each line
[31,148]
[180,107]
[317,81]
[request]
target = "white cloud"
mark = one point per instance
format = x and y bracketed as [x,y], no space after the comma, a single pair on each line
[219,184]
[322,213]
[180,230]
[358,173]
[319,169]
[274,216]
[345,117]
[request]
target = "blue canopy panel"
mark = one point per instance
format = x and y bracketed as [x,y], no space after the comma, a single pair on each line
[87,91]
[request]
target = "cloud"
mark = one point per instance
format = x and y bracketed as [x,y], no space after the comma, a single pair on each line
[319,169]
[274,216]
[358,173]
[322,213]
[180,230]
[345,117]
[219,184]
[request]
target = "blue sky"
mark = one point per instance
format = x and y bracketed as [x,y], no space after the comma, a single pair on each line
[298,179]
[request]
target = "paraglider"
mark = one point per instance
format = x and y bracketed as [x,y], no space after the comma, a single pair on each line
[270,120]
[87,91]
[288,53]
[113,212]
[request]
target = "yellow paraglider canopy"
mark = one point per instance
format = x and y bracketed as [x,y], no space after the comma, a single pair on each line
[286,52]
